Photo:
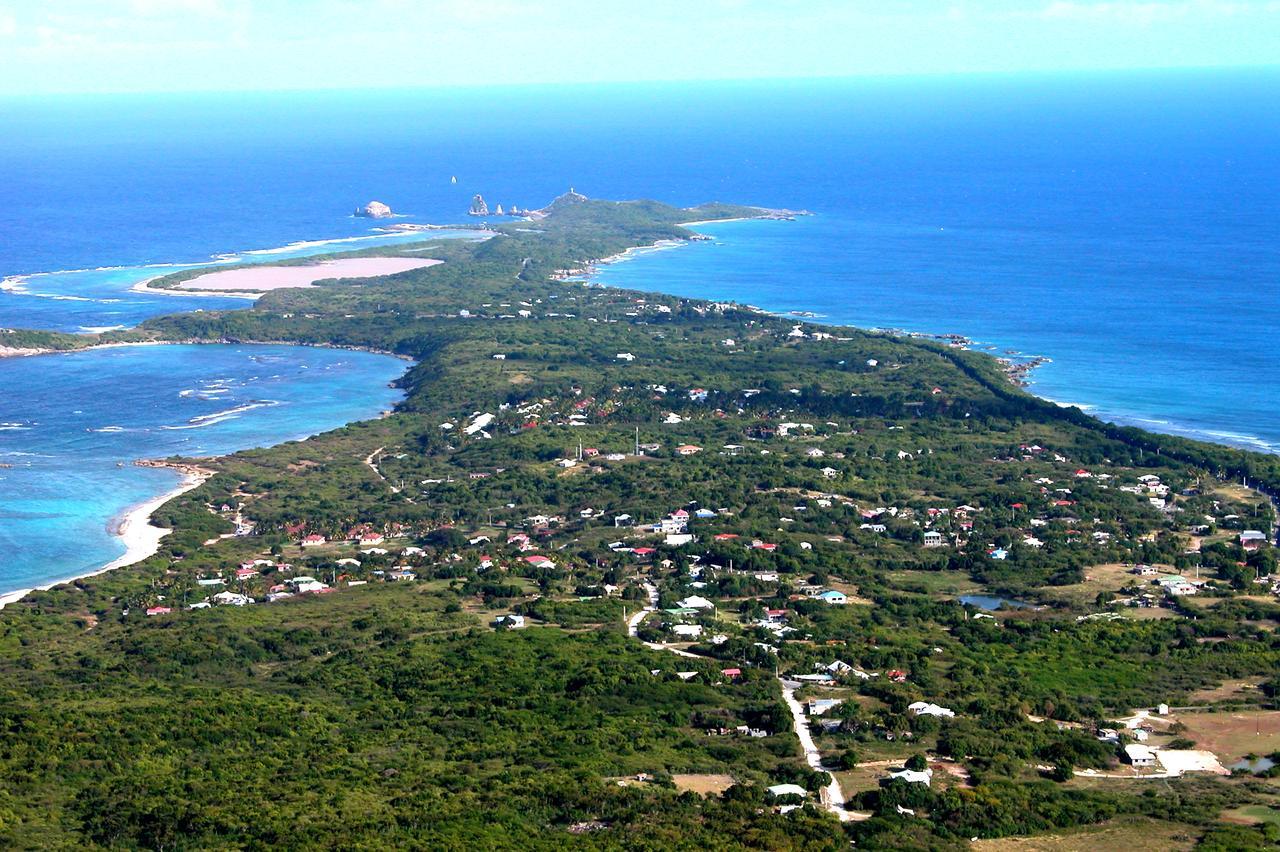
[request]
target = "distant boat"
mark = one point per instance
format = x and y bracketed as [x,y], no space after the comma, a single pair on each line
[454,179]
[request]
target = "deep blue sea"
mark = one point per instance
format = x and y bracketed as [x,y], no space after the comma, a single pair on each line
[1127,226]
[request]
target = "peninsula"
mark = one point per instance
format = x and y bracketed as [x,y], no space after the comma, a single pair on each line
[627,569]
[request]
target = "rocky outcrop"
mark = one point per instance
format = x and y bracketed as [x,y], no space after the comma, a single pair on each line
[568,199]
[374,210]
[478,207]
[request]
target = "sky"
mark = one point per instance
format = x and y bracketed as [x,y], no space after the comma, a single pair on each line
[92,46]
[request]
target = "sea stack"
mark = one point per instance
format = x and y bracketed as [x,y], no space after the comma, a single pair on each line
[374,210]
[478,207]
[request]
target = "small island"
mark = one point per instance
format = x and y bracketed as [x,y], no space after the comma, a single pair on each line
[374,210]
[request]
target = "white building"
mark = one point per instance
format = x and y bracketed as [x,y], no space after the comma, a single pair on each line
[924,708]
[1140,756]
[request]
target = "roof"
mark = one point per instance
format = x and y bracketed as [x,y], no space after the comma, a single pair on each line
[912,776]
[787,790]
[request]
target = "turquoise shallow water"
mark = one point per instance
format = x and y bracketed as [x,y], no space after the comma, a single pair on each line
[87,300]
[72,425]
[96,410]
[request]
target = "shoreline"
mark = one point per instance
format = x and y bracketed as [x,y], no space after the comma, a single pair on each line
[144,286]
[1017,373]
[307,274]
[11,352]
[141,537]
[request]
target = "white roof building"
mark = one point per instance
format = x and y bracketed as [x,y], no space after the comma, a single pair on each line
[912,776]
[787,790]
[1139,755]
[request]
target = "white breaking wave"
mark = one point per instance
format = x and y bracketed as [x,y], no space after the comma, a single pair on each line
[222,416]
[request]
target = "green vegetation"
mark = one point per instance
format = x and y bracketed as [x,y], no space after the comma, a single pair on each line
[365,700]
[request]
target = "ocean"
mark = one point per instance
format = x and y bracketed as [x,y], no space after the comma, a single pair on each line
[1124,225]
[70,445]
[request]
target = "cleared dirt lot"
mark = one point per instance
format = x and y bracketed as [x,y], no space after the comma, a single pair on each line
[1233,735]
[703,785]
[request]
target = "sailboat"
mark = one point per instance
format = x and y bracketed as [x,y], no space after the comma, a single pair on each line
[453,179]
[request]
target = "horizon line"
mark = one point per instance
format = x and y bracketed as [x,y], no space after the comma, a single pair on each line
[1029,73]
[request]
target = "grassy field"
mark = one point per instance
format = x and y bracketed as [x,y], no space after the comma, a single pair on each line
[935,582]
[1109,577]
[1132,835]
[1252,815]
[1231,690]
[1233,735]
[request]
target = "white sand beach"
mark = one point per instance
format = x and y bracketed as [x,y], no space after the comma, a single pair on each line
[262,279]
[141,538]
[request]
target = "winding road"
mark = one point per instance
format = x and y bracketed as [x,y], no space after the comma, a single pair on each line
[831,796]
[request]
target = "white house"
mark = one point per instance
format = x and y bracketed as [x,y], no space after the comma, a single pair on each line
[1177,586]
[687,631]
[831,596]
[510,622]
[695,602]
[818,706]
[924,708]
[912,776]
[788,790]
[933,538]
[1140,756]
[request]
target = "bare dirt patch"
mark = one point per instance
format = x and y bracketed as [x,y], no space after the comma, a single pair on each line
[703,785]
